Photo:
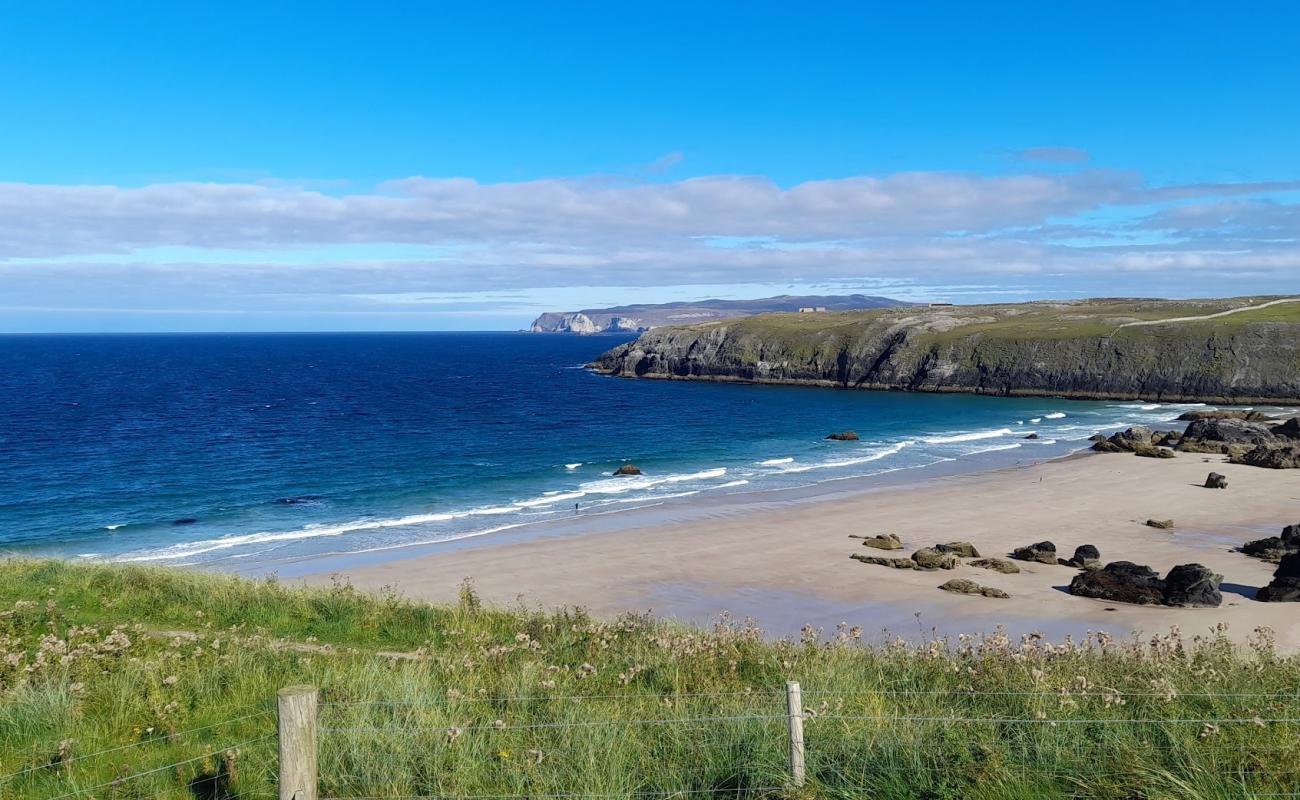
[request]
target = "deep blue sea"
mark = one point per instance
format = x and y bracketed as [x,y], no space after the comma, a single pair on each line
[237,449]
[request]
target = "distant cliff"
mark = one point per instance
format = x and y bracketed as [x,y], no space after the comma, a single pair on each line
[643,317]
[1125,349]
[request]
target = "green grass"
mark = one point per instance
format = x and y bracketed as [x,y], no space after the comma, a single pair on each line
[462,701]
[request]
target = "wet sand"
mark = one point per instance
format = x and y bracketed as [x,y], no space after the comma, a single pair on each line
[786,565]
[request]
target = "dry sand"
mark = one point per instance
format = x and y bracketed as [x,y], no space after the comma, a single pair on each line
[791,566]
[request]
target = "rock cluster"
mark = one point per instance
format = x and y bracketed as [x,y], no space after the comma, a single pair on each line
[1042,552]
[1139,440]
[1275,548]
[1086,556]
[927,559]
[1187,585]
[883,541]
[997,565]
[964,586]
[1246,437]
[628,469]
[1285,586]
[844,436]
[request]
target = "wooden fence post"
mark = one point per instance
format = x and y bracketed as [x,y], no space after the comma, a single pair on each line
[297,712]
[794,707]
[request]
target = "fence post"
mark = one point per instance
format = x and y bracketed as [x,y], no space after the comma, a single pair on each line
[297,712]
[794,707]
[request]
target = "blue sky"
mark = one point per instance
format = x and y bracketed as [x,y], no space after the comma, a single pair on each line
[166,166]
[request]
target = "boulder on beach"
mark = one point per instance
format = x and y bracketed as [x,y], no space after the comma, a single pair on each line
[1216,481]
[959,549]
[1106,446]
[1151,451]
[1086,556]
[1226,431]
[1162,524]
[844,436]
[1275,548]
[1097,437]
[896,563]
[1288,430]
[628,469]
[997,565]
[1042,552]
[1192,586]
[1186,585]
[1129,439]
[1285,456]
[1218,413]
[1285,586]
[884,541]
[964,586]
[928,558]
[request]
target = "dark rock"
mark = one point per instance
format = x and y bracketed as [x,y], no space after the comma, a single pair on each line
[1286,456]
[1106,446]
[1162,524]
[1086,556]
[1169,439]
[1230,431]
[1288,430]
[306,499]
[1151,451]
[1215,413]
[1216,481]
[185,521]
[896,563]
[1131,438]
[959,549]
[1043,553]
[1274,548]
[845,436]
[1097,437]
[628,469]
[964,586]
[1285,586]
[1123,581]
[1192,586]
[997,565]
[1030,436]
[928,558]
[885,541]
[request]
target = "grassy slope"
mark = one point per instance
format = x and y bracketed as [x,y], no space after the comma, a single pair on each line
[488,702]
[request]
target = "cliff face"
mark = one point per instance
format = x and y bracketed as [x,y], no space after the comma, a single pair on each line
[643,317]
[1088,349]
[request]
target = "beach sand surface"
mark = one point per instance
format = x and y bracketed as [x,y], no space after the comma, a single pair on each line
[788,565]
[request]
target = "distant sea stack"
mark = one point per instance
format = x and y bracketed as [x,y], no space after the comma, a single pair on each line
[1240,350]
[639,318]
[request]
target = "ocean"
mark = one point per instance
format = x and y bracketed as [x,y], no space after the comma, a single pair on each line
[246,449]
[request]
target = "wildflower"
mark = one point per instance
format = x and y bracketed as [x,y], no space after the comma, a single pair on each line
[170,680]
[453,734]
[536,756]
[1208,730]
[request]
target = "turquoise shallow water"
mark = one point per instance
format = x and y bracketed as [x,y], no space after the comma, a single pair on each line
[241,449]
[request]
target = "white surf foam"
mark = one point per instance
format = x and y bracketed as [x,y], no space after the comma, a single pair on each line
[968,437]
[573,466]
[1036,420]
[993,449]
[1059,415]
[775,462]
[113,527]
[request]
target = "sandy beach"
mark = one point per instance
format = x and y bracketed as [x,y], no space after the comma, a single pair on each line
[790,566]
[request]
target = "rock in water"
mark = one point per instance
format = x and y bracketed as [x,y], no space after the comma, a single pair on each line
[959,549]
[844,436]
[1162,524]
[1043,553]
[1122,581]
[1285,456]
[997,565]
[1192,586]
[1216,481]
[963,586]
[928,558]
[1285,586]
[628,469]
[1030,436]
[1274,548]
[1086,556]
[885,541]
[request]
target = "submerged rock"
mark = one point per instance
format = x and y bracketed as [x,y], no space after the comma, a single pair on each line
[1030,436]
[1285,586]
[628,469]
[1086,556]
[844,436]
[185,521]
[959,549]
[964,586]
[1042,552]
[1216,481]
[997,565]
[1186,585]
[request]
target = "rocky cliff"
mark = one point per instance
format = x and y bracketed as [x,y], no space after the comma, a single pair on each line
[1243,350]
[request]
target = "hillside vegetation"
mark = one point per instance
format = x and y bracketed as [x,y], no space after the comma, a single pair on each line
[1083,349]
[168,670]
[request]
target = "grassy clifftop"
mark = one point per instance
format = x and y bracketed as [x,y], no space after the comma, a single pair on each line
[107,672]
[1235,350]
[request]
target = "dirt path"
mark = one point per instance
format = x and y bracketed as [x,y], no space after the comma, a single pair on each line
[1209,316]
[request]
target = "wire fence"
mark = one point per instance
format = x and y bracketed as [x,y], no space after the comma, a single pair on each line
[768,744]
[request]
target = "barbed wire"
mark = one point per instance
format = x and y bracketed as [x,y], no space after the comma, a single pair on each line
[139,743]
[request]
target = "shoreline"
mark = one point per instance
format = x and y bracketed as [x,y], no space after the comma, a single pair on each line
[786,563]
